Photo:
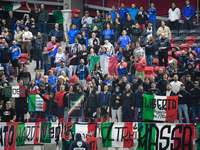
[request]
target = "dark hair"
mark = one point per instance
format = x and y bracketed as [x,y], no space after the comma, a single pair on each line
[123,3]
[109,24]
[123,50]
[142,7]
[26,26]
[174,3]
[66,4]
[95,66]
[105,76]
[95,40]
[114,6]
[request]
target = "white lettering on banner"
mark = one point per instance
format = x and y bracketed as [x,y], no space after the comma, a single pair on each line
[73,102]
[39,103]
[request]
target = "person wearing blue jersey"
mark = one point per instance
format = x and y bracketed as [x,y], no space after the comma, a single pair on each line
[123,11]
[53,81]
[188,13]
[152,15]
[113,12]
[72,34]
[124,40]
[16,54]
[108,33]
[133,11]
[85,37]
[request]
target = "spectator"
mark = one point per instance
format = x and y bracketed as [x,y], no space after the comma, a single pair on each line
[33,12]
[3,24]
[73,58]
[98,23]
[83,54]
[182,59]
[38,79]
[174,16]
[152,14]
[188,13]
[182,104]
[189,83]
[168,91]
[176,85]
[119,17]
[18,36]
[10,21]
[137,32]
[22,25]
[16,54]
[127,104]
[53,46]
[141,17]
[120,54]
[194,95]
[138,49]
[20,105]
[61,68]
[104,100]
[59,98]
[47,85]
[86,23]
[91,40]
[130,70]
[108,33]
[76,84]
[113,12]
[43,17]
[123,11]
[150,51]
[39,46]
[153,90]
[97,72]
[164,29]
[26,19]
[138,100]
[162,83]
[61,81]
[108,46]
[128,25]
[99,15]
[133,11]
[75,144]
[65,103]
[33,27]
[76,43]
[116,105]
[60,56]
[77,20]
[46,58]
[6,56]
[92,53]
[140,66]
[66,58]
[24,75]
[8,36]
[95,46]
[57,33]
[163,48]
[27,36]
[121,68]
[8,114]
[72,33]
[128,53]
[159,75]
[146,84]
[53,81]
[117,26]
[149,31]
[124,40]
[81,40]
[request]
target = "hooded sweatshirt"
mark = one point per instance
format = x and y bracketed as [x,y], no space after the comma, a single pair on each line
[93,99]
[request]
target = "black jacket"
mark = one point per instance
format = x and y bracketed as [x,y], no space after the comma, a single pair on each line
[135,85]
[93,99]
[128,100]
[181,60]
[117,30]
[81,56]
[171,94]
[164,43]
[150,49]
[162,84]
[146,87]
[6,55]
[115,105]
[194,95]
[140,19]
[128,24]
[155,91]
[189,85]
[184,99]
[130,67]
[138,99]
[47,87]
[51,106]
[159,77]
[136,33]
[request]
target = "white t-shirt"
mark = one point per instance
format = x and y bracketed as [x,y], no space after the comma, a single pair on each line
[175,86]
[28,35]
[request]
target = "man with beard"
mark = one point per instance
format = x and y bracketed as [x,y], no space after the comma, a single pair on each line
[169,91]
[175,84]
[98,23]
[153,90]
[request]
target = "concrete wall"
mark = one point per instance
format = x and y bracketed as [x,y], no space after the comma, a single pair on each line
[77,4]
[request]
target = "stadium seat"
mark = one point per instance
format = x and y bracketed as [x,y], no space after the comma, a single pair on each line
[183,33]
[172,40]
[148,70]
[170,54]
[185,47]
[89,78]
[54,70]
[157,69]
[197,25]
[24,58]
[194,32]
[190,40]
[155,62]
[174,33]
[179,40]
[193,46]
[198,39]
[173,46]
[178,53]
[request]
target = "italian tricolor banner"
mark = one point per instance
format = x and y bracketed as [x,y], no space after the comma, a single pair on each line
[160,108]
[75,105]
[36,103]
[118,134]
[108,64]
[66,15]
[15,91]
[13,6]
[28,133]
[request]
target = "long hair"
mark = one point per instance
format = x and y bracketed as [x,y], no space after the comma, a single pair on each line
[107,19]
[95,68]
[151,40]
[37,73]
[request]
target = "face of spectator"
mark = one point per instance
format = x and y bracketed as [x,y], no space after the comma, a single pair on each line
[175,78]
[124,79]
[113,8]
[149,24]
[137,25]
[96,18]
[173,5]
[165,77]
[137,44]
[82,62]
[3,78]
[138,55]
[56,26]
[108,26]
[18,29]
[196,85]
[135,80]
[14,43]
[51,73]
[183,53]
[91,50]
[152,5]
[6,44]
[26,28]
[62,88]
[86,14]
[42,6]
[22,22]
[128,17]
[74,49]
[147,81]
[25,68]
[66,7]
[106,41]
[188,78]
[141,9]
[46,79]
[162,23]
[122,5]
[160,71]
[187,2]
[39,34]
[124,32]
[139,76]
[133,6]
[76,15]
[83,47]
[182,87]
[8,105]
[169,87]
[76,80]
[106,88]
[93,35]
[128,87]
[59,49]
[10,13]
[140,88]
[153,85]
[3,21]
[45,49]
[35,8]
[50,95]
[63,73]
[6,30]
[74,27]
[53,39]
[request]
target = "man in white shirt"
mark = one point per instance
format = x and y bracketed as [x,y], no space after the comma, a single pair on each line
[86,23]
[174,16]
[176,85]
[27,36]
[90,41]
[140,50]
[66,21]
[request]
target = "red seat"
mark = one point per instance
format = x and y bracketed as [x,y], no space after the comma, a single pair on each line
[190,40]
[54,70]
[41,120]
[169,53]
[155,62]
[196,55]
[148,70]
[174,46]
[24,57]
[157,69]
[172,40]
[73,78]
[178,53]
[89,78]
[185,47]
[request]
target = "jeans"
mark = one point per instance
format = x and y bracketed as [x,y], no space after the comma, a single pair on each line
[130,78]
[117,112]
[65,116]
[37,114]
[83,116]
[50,117]
[194,110]
[126,110]
[149,60]
[60,109]
[42,27]
[154,24]
[184,108]
[82,83]
[6,69]
[47,67]
[37,64]
[72,68]
[138,113]
[52,62]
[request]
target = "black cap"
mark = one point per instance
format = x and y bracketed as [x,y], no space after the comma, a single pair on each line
[150,22]
[76,13]
[42,85]
[182,84]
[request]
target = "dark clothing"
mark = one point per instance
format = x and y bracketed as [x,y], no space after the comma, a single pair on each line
[115,105]
[43,15]
[146,87]
[154,91]
[159,77]
[128,53]
[7,115]
[77,21]
[59,84]
[137,32]
[75,145]
[181,60]
[140,19]
[20,102]
[82,41]
[171,94]
[81,56]
[57,33]
[194,95]
[33,27]
[51,106]
[189,85]
[150,49]
[184,99]
[39,45]
[73,61]
[10,22]
[104,99]
[75,87]
[25,76]
[162,84]
[47,87]
[6,55]
[138,99]
[128,24]
[123,86]
[33,15]
[117,30]
[93,99]
[127,100]
[130,67]
[135,85]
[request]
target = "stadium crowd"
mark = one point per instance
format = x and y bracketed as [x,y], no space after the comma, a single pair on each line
[130,34]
